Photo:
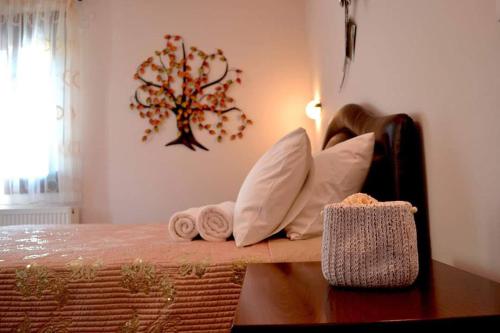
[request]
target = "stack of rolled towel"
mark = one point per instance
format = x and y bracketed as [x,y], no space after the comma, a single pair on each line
[213,223]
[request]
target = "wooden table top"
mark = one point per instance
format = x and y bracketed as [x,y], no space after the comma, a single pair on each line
[291,295]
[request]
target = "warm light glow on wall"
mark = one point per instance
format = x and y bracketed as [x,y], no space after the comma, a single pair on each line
[313,109]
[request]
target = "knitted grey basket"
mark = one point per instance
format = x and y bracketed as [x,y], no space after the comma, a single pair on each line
[370,245]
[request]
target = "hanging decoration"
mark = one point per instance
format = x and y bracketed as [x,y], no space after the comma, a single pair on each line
[184,84]
[349,38]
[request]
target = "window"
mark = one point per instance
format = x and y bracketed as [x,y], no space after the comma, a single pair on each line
[36,130]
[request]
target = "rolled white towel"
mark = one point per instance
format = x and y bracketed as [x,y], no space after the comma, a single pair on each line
[182,225]
[215,222]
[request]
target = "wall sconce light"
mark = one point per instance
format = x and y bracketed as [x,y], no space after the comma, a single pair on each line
[313,109]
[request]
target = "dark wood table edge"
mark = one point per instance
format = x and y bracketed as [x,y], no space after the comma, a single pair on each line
[461,323]
[408,326]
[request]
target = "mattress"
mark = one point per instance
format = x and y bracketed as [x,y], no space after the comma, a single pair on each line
[126,278]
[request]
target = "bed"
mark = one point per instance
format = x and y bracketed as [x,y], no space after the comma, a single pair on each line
[123,278]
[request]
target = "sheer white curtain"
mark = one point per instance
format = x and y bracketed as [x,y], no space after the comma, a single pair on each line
[39,136]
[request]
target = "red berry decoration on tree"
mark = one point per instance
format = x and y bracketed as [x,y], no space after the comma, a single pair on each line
[180,82]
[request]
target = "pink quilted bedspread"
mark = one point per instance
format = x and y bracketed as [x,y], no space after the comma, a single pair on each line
[121,278]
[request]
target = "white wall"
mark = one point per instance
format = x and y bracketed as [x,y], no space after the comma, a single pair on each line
[439,61]
[127,181]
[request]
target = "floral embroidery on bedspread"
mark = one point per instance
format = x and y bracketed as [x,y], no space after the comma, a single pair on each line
[196,269]
[139,276]
[54,325]
[84,271]
[167,288]
[163,324]
[239,269]
[33,280]
[24,326]
[130,326]
[129,298]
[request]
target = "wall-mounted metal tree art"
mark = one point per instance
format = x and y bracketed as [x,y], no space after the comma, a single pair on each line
[180,82]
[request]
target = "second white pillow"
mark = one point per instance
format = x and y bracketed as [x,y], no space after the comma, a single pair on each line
[337,172]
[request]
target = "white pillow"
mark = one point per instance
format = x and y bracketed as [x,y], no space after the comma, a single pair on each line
[271,188]
[337,172]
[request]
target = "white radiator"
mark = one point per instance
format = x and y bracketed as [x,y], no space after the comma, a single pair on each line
[45,215]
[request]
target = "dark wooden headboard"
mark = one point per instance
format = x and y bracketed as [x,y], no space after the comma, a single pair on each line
[397,171]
